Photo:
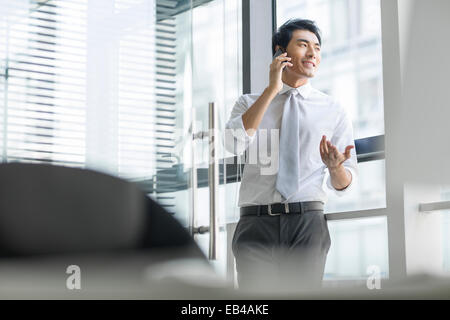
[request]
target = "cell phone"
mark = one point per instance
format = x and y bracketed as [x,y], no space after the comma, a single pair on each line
[279,52]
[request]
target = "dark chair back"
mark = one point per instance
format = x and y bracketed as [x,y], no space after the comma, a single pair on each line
[47,209]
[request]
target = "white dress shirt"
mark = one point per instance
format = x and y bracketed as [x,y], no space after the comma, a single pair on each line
[320,115]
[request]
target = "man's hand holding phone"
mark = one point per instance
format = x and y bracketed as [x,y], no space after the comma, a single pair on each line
[280,61]
[253,116]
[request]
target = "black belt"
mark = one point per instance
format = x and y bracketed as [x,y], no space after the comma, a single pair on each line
[276,209]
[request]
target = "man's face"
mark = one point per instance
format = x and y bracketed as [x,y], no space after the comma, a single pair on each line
[304,49]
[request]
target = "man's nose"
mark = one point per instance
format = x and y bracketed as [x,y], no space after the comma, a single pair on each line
[310,53]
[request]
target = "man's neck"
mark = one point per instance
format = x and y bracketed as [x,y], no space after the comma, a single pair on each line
[294,82]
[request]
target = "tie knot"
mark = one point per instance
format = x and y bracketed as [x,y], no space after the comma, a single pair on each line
[293,92]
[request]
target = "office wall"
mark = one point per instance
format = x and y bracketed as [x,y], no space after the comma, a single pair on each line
[417,132]
[425,109]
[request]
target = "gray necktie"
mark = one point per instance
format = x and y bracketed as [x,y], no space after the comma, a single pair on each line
[289,162]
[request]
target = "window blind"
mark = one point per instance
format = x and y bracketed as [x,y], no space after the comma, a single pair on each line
[49,86]
[43,81]
[92,84]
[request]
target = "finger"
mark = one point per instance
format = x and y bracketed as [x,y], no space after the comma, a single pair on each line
[333,150]
[332,147]
[282,60]
[284,54]
[347,151]
[283,57]
[285,63]
[324,151]
[326,145]
[321,148]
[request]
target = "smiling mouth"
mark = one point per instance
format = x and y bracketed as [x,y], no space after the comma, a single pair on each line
[309,63]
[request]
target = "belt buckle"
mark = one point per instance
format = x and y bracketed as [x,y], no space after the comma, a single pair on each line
[286,206]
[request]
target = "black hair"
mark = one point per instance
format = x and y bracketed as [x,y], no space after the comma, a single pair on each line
[284,33]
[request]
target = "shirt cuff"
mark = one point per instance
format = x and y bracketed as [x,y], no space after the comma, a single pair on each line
[247,136]
[239,132]
[236,139]
[347,189]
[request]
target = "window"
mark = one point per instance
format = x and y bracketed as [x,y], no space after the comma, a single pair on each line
[89,84]
[351,71]
[356,245]
[44,82]
[351,68]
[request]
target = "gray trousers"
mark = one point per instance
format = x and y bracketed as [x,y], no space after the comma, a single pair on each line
[285,252]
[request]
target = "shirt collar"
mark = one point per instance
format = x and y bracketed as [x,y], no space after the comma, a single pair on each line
[304,90]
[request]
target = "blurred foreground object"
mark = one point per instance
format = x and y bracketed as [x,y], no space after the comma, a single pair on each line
[52,217]
[124,246]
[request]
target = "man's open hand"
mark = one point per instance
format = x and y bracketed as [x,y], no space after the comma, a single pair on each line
[330,154]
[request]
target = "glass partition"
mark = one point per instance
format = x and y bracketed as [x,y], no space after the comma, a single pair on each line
[358,247]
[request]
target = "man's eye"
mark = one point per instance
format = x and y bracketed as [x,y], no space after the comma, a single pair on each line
[318,48]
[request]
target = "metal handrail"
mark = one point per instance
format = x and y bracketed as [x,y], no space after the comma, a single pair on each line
[213,183]
[213,178]
[434,206]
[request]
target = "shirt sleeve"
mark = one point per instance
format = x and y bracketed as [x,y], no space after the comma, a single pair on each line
[236,139]
[343,137]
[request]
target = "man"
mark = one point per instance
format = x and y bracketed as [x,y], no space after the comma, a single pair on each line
[282,238]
